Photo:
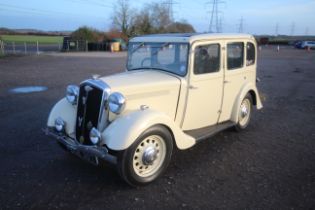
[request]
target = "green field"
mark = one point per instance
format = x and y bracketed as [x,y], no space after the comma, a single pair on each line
[32,39]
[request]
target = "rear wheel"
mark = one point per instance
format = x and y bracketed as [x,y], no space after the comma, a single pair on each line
[147,158]
[244,114]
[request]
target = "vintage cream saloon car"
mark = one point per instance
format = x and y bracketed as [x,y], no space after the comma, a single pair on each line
[177,90]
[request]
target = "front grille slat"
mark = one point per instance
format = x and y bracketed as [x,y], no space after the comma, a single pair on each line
[88,111]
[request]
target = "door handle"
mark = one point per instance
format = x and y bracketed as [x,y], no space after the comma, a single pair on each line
[192,87]
[226,81]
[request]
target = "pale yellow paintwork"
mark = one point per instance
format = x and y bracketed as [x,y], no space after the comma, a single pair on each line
[236,82]
[151,88]
[206,90]
[131,125]
[67,112]
[178,103]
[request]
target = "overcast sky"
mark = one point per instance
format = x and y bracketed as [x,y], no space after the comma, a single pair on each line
[259,17]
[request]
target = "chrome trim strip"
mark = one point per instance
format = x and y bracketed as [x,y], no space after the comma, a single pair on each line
[76,148]
[97,83]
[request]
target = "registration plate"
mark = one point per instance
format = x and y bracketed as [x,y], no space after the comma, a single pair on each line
[89,158]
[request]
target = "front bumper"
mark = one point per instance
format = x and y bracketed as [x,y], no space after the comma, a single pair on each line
[89,153]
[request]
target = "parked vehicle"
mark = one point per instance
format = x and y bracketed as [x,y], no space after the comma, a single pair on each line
[305,44]
[298,44]
[308,44]
[177,90]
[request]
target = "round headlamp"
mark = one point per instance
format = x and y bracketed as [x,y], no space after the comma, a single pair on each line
[72,94]
[116,102]
[95,136]
[59,124]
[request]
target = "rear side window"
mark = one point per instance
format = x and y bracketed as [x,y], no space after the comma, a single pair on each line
[207,59]
[250,54]
[235,55]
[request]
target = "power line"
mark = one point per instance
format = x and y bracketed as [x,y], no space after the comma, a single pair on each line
[292,28]
[33,11]
[277,29]
[24,11]
[170,4]
[241,25]
[220,25]
[306,31]
[90,2]
[214,16]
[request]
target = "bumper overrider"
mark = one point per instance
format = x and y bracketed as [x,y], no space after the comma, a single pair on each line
[90,153]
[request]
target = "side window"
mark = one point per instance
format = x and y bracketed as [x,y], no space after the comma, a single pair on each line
[235,55]
[250,54]
[207,59]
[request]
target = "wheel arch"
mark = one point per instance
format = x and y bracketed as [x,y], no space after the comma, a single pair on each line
[254,97]
[122,132]
[169,130]
[250,89]
[65,110]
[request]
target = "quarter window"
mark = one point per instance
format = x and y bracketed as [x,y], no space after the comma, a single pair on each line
[207,59]
[250,54]
[235,55]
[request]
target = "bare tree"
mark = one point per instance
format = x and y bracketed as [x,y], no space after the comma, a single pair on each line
[160,16]
[142,23]
[122,17]
[180,27]
[152,18]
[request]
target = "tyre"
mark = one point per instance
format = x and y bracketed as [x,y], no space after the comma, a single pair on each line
[245,112]
[147,158]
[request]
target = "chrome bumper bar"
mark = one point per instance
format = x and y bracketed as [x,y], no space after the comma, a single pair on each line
[81,150]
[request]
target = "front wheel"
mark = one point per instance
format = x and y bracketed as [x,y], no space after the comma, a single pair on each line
[147,158]
[244,114]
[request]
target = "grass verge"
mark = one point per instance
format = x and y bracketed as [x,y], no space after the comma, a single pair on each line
[32,39]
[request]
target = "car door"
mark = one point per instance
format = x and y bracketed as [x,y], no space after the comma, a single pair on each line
[237,72]
[205,86]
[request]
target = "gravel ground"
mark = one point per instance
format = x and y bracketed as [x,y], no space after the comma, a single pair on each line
[271,165]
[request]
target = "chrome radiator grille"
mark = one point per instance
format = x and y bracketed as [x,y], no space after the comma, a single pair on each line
[90,109]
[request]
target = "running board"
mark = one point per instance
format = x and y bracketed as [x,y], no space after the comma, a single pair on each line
[206,132]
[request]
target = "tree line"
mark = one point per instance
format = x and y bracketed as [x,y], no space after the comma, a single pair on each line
[128,22]
[152,18]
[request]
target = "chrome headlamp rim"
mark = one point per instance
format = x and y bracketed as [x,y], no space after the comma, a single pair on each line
[72,94]
[116,102]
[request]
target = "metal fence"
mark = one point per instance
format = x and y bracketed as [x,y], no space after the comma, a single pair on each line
[82,45]
[1,48]
[19,48]
[28,47]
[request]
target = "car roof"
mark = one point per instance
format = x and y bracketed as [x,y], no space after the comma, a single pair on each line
[188,37]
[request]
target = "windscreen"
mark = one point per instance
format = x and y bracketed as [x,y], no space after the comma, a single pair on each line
[166,56]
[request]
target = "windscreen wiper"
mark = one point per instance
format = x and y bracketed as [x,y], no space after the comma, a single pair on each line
[161,47]
[140,45]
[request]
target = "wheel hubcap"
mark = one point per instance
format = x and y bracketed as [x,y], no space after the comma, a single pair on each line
[149,156]
[244,112]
